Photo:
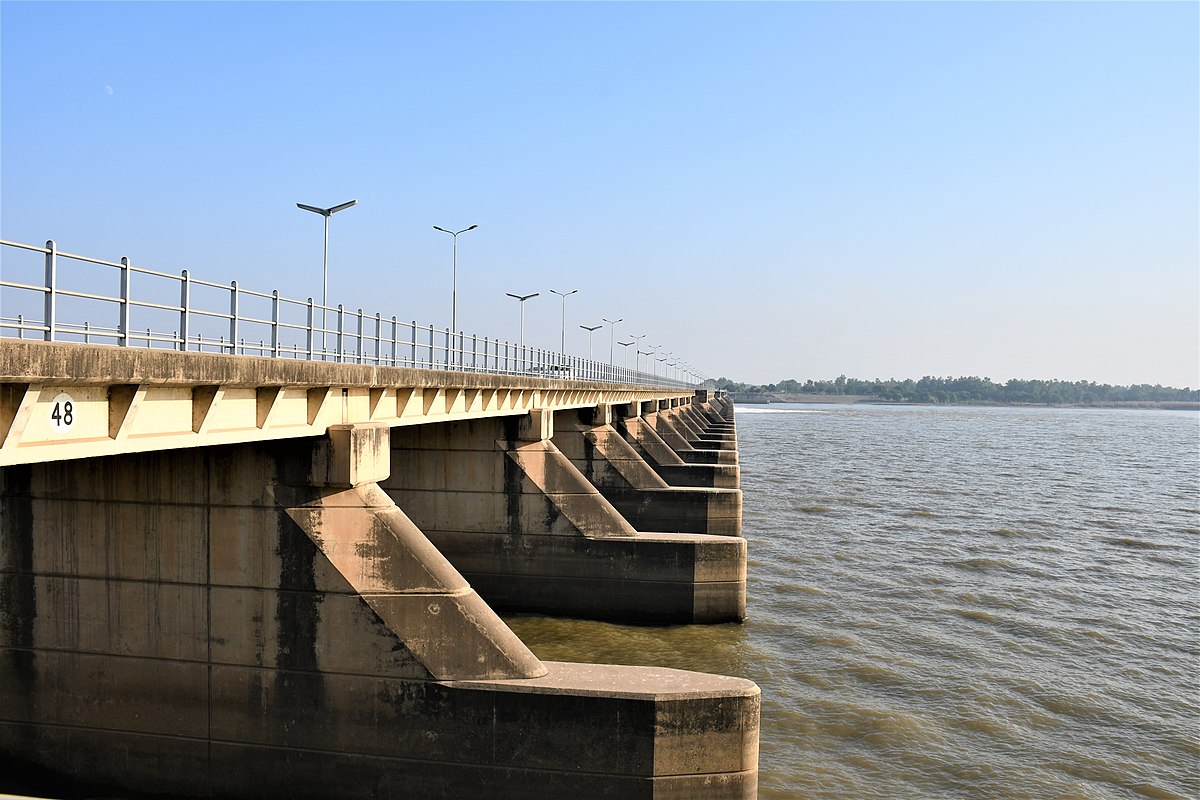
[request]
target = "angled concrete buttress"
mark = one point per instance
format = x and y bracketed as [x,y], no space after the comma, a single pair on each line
[648,503]
[262,621]
[641,434]
[531,533]
[684,441]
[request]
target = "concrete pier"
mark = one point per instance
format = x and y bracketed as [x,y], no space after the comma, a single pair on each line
[665,459]
[647,501]
[532,533]
[185,613]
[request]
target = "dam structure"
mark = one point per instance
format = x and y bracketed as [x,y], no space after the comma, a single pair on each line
[273,569]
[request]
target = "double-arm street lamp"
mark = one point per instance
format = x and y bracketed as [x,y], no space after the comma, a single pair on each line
[521,298]
[453,283]
[590,329]
[626,346]
[562,343]
[326,213]
[638,360]
[612,332]
[641,353]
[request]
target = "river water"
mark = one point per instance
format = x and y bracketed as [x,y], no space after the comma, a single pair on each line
[957,603]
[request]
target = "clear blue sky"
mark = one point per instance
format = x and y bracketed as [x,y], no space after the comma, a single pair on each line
[769,190]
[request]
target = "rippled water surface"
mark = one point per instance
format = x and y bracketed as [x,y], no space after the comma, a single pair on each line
[957,603]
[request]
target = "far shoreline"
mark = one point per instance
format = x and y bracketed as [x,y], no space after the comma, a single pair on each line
[835,399]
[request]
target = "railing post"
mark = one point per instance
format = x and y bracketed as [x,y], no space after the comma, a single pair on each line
[474,352]
[378,338]
[123,326]
[394,335]
[20,326]
[431,351]
[275,323]
[361,345]
[87,335]
[50,316]
[310,329]
[414,344]
[185,308]
[449,349]
[233,317]
[341,331]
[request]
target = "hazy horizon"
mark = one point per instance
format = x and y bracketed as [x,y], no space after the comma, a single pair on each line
[830,379]
[1008,190]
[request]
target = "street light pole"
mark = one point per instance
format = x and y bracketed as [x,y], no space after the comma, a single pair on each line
[590,329]
[454,281]
[562,345]
[521,298]
[612,332]
[638,361]
[326,213]
[626,346]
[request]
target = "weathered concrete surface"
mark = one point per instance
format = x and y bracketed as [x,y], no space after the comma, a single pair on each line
[263,621]
[640,433]
[623,477]
[667,426]
[529,531]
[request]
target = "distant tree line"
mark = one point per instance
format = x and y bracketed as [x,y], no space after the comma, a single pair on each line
[971,390]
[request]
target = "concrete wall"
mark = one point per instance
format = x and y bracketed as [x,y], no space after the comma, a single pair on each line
[263,621]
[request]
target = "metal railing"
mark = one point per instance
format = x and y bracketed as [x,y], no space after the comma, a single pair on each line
[179,312]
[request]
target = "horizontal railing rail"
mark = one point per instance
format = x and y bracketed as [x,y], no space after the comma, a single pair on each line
[239,321]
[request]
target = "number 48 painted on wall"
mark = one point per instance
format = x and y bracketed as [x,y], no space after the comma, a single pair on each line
[62,413]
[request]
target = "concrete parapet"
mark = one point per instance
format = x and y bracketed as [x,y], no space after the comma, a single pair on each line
[531,533]
[263,621]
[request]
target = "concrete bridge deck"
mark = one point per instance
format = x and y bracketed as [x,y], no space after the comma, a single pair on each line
[258,577]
